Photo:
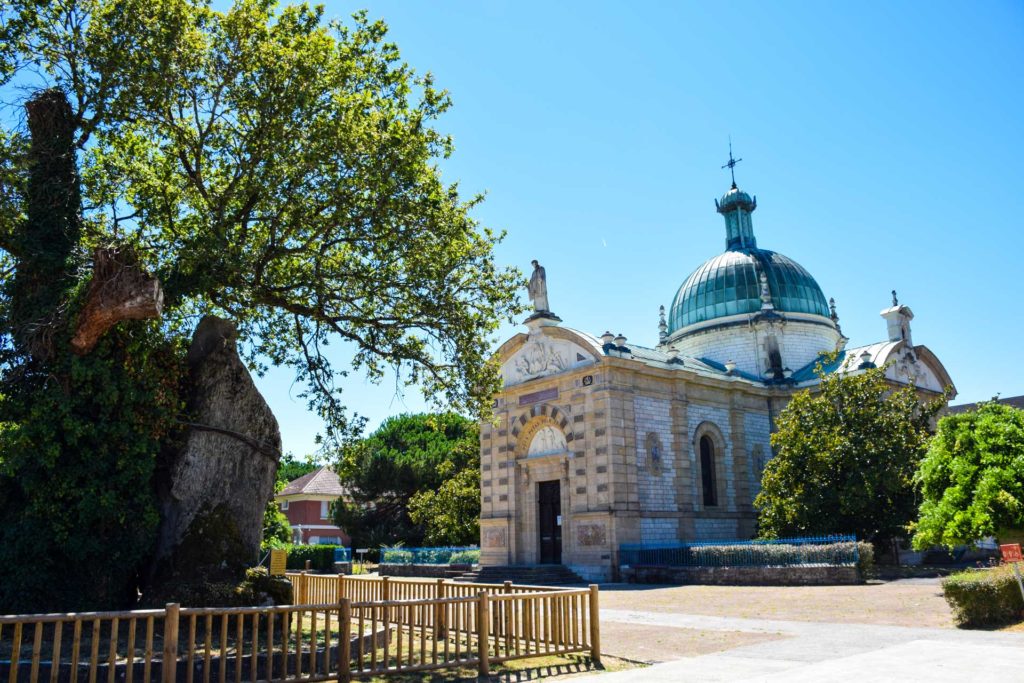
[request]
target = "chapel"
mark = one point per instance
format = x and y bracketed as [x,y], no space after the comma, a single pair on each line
[601,441]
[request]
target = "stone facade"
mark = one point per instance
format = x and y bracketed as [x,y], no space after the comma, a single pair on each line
[629,470]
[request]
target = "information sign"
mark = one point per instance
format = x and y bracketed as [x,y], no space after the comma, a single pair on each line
[1011,552]
[278,560]
[1011,555]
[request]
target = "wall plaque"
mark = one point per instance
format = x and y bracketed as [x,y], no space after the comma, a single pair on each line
[591,535]
[494,538]
[543,395]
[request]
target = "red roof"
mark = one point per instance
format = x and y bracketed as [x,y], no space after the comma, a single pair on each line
[322,482]
[1012,401]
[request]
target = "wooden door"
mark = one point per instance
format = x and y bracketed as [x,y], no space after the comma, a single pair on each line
[549,501]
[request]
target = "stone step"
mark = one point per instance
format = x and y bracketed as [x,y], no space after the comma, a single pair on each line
[540,575]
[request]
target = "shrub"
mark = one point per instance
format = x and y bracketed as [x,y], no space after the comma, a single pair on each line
[865,560]
[465,557]
[321,557]
[987,597]
[395,556]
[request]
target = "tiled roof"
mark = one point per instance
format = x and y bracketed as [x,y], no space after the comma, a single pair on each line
[322,482]
[1012,401]
[848,360]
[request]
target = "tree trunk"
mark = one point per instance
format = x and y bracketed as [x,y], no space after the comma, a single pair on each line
[216,487]
[45,246]
[120,290]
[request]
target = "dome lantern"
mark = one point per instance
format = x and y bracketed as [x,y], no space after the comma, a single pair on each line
[736,207]
[744,279]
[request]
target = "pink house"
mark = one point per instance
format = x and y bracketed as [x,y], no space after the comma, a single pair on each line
[307,504]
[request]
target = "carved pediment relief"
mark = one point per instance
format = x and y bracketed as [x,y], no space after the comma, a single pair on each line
[910,369]
[547,441]
[542,356]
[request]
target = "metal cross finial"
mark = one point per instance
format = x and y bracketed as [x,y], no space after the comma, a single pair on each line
[732,164]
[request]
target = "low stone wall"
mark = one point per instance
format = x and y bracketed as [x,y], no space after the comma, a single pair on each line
[342,567]
[432,571]
[744,576]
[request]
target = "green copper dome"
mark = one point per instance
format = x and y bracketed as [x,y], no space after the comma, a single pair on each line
[729,284]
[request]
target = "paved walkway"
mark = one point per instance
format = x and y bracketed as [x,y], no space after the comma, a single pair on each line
[816,651]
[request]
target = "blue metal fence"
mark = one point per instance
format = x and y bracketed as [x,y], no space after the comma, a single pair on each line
[454,555]
[815,550]
[342,554]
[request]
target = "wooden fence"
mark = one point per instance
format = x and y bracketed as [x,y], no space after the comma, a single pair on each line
[320,588]
[358,634]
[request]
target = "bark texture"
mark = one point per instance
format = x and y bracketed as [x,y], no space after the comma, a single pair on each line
[120,290]
[217,485]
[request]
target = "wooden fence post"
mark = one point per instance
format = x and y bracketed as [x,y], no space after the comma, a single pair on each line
[300,588]
[309,565]
[340,593]
[439,610]
[483,635]
[385,591]
[169,666]
[595,626]
[508,587]
[344,640]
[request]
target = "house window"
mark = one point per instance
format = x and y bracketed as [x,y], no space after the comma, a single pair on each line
[707,471]
[284,505]
[313,540]
[323,509]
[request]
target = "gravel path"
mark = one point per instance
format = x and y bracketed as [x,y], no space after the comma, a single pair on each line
[824,651]
[907,602]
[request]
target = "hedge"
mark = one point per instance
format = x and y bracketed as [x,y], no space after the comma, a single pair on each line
[321,557]
[984,597]
[767,555]
[431,556]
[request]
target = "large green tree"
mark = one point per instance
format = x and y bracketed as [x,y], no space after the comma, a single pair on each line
[846,454]
[264,165]
[409,465]
[972,479]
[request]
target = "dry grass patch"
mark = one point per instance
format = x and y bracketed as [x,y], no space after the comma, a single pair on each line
[651,644]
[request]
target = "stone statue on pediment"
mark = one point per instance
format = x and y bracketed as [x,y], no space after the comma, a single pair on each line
[538,288]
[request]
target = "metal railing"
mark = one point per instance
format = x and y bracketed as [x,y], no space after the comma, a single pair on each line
[451,555]
[804,551]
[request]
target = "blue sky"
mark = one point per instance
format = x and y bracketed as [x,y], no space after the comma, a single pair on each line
[883,141]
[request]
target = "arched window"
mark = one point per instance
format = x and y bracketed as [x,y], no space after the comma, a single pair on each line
[707,471]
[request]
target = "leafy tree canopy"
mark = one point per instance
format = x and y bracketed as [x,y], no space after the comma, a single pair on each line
[290,468]
[450,516]
[406,457]
[846,454]
[278,170]
[972,479]
[266,166]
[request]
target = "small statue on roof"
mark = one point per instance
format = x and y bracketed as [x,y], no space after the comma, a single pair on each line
[538,288]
